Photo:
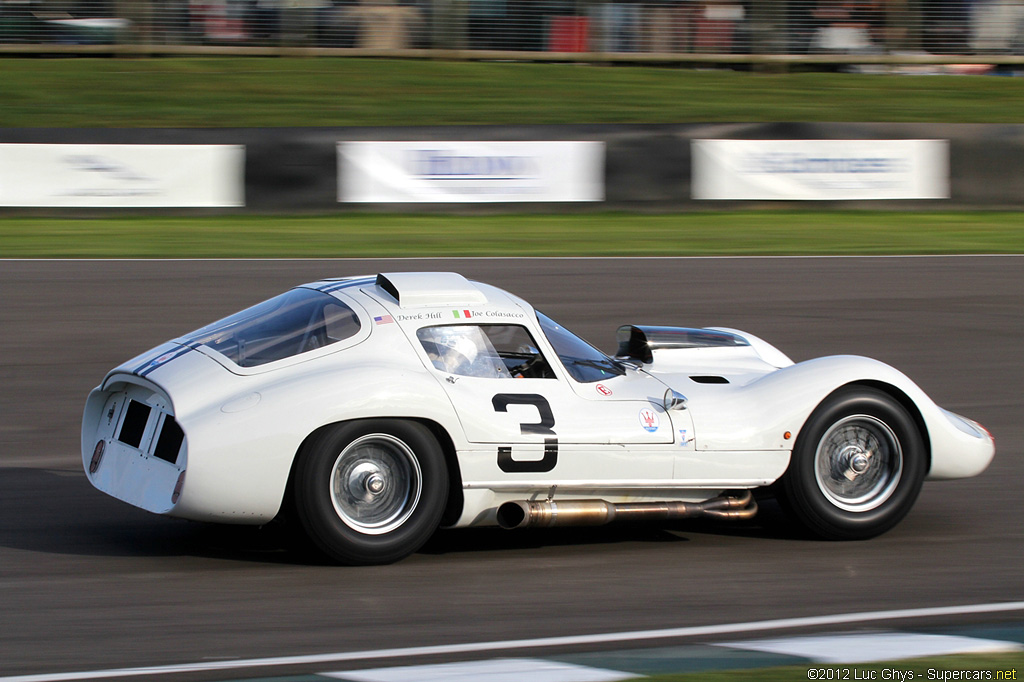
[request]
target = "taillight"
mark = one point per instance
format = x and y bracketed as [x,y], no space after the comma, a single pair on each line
[987,432]
[97,455]
[177,488]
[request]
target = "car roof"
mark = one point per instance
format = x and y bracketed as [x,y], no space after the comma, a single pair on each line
[401,292]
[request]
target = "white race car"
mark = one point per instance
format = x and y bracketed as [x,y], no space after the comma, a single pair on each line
[380,408]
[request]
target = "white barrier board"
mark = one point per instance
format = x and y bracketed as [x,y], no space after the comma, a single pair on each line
[121,175]
[823,170]
[470,172]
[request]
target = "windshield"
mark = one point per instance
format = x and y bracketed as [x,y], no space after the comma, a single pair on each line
[295,322]
[583,362]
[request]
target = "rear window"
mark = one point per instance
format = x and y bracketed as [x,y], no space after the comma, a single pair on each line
[295,322]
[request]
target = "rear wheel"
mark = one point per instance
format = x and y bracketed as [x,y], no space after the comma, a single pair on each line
[371,492]
[857,466]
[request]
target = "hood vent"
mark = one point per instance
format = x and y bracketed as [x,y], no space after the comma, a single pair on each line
[709,379]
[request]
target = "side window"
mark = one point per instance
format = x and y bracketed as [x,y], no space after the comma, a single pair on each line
[493,351]
[340,321]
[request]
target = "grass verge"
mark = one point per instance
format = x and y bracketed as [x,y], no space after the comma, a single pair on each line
[270,92]
[589,234]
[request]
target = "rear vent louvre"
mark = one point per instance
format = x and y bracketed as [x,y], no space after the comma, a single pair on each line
[134,424]
[169,443]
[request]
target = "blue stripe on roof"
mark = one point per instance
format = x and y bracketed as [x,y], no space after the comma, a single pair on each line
[154,364]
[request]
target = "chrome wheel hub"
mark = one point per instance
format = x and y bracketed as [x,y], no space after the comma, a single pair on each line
[858,463]
[376,483]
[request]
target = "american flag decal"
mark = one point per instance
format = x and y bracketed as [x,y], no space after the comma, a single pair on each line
[384,319]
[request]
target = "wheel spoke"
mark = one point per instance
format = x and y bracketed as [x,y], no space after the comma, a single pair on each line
[858,463]
[375,484]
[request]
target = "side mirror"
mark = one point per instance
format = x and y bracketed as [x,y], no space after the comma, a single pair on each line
[674,400]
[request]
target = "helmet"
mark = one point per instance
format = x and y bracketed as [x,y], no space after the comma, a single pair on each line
[461,349]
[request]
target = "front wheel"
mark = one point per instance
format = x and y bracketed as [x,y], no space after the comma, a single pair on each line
[371,492]
[857,466]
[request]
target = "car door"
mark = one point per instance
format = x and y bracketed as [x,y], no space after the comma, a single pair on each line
[513,394]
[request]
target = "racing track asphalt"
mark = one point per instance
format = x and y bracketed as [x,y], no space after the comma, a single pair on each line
[89,583]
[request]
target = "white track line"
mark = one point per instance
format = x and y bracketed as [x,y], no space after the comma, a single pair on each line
[356,259]
[540,643]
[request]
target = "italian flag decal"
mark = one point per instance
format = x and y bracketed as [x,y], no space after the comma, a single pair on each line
[460,314]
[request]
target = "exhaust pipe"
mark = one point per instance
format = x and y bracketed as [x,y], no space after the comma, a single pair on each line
[534,514]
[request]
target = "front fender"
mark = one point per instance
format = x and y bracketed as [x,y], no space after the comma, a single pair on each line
[759,414]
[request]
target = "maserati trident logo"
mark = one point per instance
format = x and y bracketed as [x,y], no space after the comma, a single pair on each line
[649,419]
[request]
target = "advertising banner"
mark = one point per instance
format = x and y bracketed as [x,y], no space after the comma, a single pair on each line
[121,175]
[470,172]
[824,170]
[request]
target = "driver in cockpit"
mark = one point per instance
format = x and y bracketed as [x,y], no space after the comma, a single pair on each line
[463,350]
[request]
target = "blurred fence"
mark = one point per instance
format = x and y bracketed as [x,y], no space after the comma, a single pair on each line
[671,30]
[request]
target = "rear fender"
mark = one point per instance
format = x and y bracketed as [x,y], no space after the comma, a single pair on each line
[240,461]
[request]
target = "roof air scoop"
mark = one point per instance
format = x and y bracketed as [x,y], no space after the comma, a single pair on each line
[422,289]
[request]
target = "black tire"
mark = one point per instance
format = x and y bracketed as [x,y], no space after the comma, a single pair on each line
[370,491]
[857,466]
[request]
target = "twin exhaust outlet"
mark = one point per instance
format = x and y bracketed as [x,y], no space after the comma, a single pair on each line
[547,514]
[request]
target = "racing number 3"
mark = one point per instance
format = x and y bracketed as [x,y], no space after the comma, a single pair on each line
[543,427]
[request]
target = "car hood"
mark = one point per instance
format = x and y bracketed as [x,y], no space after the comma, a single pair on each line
[737,366]
[713,355]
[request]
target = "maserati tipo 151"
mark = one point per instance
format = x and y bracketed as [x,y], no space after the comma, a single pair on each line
[378,409]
